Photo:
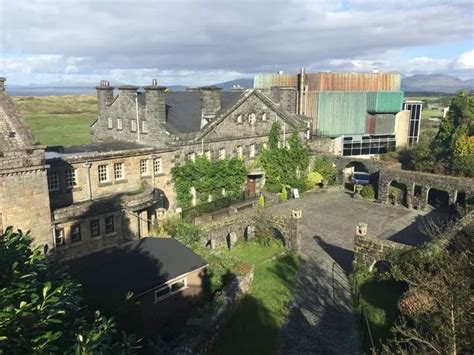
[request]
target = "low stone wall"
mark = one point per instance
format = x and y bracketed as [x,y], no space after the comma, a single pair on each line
[200,334]
[229,229]
[368,250]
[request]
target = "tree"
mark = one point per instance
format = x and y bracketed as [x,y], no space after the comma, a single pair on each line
[437,309]
[324,166]
[41,310]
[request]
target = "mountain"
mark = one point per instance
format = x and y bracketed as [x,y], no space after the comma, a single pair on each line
[245,83]
[435,83]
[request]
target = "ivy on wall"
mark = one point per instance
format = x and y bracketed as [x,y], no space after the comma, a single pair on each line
[208,178]
[284,165]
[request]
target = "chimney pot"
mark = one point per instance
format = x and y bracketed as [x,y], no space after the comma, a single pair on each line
[154,82]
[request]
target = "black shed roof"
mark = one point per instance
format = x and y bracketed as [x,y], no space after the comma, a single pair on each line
[136,266]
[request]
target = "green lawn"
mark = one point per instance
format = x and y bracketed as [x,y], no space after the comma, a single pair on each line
[254,326]
[59,120]
[379,299]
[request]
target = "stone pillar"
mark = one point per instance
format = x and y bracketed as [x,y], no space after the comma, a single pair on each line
[155,103]
[452,197]
[384,189]
[424,196]
[294,238]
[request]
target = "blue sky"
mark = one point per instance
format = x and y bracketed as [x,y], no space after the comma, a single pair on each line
[199,42]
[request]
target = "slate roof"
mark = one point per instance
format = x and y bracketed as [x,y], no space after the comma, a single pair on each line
[136,266]
[184,109]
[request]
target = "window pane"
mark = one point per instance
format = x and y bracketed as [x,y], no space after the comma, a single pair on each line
[109,224]
[178,286]
[95,228]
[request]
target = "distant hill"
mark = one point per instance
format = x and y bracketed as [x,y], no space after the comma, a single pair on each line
[435,83]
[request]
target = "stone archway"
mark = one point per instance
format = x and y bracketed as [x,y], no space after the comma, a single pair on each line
[437,197]
[397,193]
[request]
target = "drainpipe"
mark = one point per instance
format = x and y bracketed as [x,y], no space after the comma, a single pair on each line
[136,113]
[88,165]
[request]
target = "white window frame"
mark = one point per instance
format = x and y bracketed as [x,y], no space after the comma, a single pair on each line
[70,178]
[222,154]
[119,124]
[103,172]
[240,152]
[110,123]
[192,156]
[239,118]
[133,125]
[119,171]
[157,162]
[59,239]
[53,183]
[80,233]
[252,151]
[169,286]
[144,127]
[144,171]
[252,118]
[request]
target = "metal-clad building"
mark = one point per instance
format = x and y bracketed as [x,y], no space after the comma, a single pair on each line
[352,82]
[266,81]
[384,101]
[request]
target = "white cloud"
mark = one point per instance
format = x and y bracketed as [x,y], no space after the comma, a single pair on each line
[465,61]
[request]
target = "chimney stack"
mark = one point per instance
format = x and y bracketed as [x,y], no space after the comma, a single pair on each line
[155,102]
[286,97]
[2,84]
[211,102]
[105,96]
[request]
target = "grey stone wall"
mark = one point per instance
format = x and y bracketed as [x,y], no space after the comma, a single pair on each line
[368,250]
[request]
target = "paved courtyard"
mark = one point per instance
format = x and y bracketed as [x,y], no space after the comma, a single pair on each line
[321,319]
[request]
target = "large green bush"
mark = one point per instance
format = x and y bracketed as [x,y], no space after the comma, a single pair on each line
[184,232]
[208,178]
[368,192]
[324,166]
[314,178]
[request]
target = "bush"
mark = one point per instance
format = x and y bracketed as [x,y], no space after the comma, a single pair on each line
[240,268]
[261,201]
[314,178]
[283,193]
[184,232]
[324,166]
[368,192]
[395,194]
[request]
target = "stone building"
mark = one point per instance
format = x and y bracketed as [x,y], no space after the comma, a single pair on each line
[113,190]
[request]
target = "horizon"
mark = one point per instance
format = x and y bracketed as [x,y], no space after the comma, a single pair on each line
[135,41]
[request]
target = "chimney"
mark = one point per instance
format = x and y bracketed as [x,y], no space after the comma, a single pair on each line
[2,83]
[128,90]
[286,97]
[105,96]
[211,102]
[155,102]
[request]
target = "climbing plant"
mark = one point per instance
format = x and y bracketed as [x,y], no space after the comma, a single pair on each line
[208,178]
[284,165]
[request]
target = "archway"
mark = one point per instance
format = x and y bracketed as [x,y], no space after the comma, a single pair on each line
[350,170]
[397,193]
[437,198]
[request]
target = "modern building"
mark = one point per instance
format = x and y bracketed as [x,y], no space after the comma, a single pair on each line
[351,113]
[415,107]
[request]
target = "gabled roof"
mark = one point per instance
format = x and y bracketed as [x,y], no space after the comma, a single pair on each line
[293,120]
[14,132]
[137,266]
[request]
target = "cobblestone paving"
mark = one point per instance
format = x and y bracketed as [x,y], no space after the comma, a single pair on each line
[321,320]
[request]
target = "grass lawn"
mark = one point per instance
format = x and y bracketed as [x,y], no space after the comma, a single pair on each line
[425,114]
[59,120]
[254,326]
[379,299]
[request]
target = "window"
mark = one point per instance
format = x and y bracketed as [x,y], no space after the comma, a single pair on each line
[109,224]
[252,118]
[118,171]
[222,154]
[207,154]
[157,166]
[95,228]
[119,124]
[192,156]
[144,127]
[170,289]
[264,116]
[59,236]
[252,151]
[103,173]
[76,233]
[264,145]
[239,118]
[133,125]
[71,180]
[53,180]
[110,123]
[240,152]
[143,167]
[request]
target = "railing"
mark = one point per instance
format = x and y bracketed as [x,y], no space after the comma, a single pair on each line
[189,214]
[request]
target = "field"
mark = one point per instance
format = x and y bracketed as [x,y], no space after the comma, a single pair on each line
[59,120]
[254,326]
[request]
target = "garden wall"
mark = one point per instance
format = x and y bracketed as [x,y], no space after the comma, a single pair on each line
[200,334]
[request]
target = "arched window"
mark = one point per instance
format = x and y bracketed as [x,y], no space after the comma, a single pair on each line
[239,118]
[252,118]
[264,116]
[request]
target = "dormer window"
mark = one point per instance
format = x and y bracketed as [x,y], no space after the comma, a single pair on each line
[264,116]
[252,118]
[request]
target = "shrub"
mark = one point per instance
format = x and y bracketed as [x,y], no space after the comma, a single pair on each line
[184,232]
[395,194]
[261,201]
[314,178]
[240,268]
[368,192]
[324,166]
[283,193]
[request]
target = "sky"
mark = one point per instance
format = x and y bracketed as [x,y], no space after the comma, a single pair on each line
[201,42]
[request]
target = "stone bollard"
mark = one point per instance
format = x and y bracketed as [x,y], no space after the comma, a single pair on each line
[296,214]
[361,229]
